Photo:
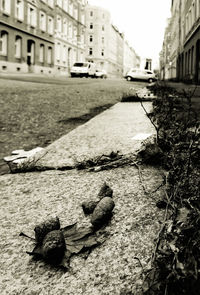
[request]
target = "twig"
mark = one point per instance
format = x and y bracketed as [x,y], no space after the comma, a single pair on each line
[190,150]
[156,127]
[26,236]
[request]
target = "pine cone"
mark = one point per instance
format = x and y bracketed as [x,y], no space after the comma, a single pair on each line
[45,227]
[53,247]
[102,212]
[105,191]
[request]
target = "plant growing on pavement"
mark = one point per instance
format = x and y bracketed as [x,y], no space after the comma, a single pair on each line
[176,259]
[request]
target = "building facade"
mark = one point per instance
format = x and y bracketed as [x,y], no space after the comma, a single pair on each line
[105,45]
[26,36]
[97,36]
[69,34]
[184,57]
[41,36]
[165,53]
[131,59]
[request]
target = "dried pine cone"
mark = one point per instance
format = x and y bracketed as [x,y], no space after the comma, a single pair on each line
[53,247]
[45,227]
[102,212]
[89,206]
[105,191]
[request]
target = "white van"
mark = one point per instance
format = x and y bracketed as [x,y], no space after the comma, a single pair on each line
[83,69]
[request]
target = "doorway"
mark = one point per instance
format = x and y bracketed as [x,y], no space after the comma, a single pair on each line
[30,55]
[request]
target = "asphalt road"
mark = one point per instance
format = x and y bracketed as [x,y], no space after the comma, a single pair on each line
[35,111]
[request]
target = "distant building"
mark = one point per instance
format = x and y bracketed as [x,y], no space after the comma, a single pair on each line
[184,28]
[131,59]
[105,45]
[165,53]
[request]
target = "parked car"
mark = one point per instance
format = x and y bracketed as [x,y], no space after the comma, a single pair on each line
[83,69]
[143,75]
[101,74]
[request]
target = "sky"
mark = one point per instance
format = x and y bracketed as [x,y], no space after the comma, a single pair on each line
[142,21]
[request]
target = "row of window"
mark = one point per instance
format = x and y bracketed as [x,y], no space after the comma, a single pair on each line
[91,38]
[44,20]
[66,5]
[90,51]
[92,14]
[192,15]
[91,27]
[18,48]
[5,6]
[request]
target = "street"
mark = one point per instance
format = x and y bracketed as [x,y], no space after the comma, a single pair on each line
[35,111]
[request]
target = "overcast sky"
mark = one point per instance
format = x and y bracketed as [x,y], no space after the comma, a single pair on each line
[142,21]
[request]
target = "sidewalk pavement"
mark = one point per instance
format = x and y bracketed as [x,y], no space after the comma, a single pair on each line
[119,129]
[115,267]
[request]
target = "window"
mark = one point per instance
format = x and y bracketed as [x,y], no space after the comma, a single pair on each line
[19,9]
[65,5]
[83,18]
[186,24]
[42,21]
[75,33]
[41,57]
[59,24]
[64,54]
[49,55]
[71,8]
[91,38]
[31,16]
[91,13]
[5,6]
[50,25]
[91,26]
[18,47]
[103,28]
[102,52]
[70,30]
[90,51]
[193,13]
[65,27]
[190,19]
[51,3]
[59,3]
[58,52]
[75,12]
[4,43]
[197,9]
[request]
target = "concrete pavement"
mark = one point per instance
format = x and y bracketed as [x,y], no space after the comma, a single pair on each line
[118,129]
[30,198]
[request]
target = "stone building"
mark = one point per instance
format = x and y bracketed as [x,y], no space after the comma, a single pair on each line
[69,34]
[131,59]
[165,53]
[105,45]
[27,36]
[41,36]
[184,59]
[189,56]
